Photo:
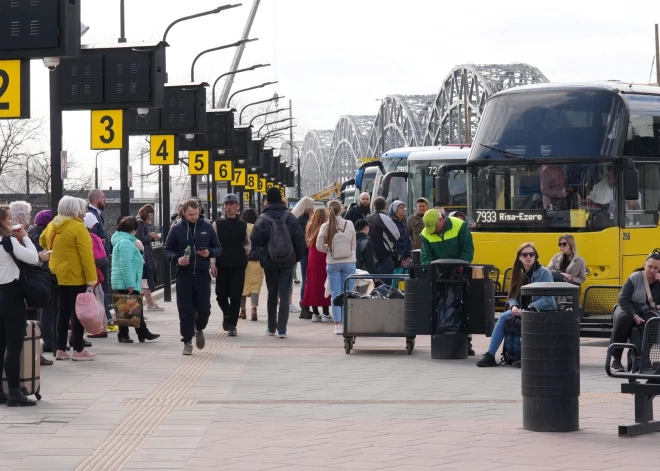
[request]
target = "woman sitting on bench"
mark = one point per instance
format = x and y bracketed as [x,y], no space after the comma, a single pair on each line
[526,269]
[637,304]
[567,266]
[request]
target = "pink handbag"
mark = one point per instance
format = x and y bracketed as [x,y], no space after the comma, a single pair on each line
[90,312]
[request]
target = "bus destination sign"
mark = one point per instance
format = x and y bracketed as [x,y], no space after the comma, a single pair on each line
[509,216]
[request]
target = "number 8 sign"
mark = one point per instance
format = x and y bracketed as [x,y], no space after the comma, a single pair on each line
[252,181]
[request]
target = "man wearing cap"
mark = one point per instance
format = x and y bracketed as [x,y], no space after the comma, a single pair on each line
[229,268]
[445,238]
[415,222]
[278,274]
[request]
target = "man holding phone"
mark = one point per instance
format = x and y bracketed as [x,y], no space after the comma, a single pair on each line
[229,267]
[190,246]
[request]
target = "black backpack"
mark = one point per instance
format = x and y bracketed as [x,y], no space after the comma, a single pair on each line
[36,281]
[511,348]
[280,245]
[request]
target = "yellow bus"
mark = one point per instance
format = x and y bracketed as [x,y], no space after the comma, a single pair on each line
[582,159]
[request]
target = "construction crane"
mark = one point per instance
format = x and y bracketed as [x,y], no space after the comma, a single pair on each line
[327,193]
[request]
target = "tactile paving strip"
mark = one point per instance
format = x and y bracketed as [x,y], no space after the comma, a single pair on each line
[120,445]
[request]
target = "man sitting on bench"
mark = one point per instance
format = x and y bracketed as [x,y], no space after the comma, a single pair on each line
[637,304]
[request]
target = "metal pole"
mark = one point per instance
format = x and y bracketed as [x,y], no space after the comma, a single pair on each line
[56,185]
[208,197]
[382,130]
[193,183]
[27,180]
[657,56]
[122,23]
[96,177]
[299,190]
[222,102]
[160,199]
[124,189]
[466,109]
[214,191]
[167,276]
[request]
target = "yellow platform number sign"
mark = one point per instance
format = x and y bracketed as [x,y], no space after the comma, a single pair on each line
[262,186]
[163,150]
[224,171]
[107,129]
[239,177]
[269,185]
[198,162]
[281,188]
[14,89]
[252,182]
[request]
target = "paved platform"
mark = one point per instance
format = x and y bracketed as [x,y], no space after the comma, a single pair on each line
[262,403]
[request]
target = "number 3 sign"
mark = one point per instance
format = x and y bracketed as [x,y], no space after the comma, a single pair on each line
[107,129]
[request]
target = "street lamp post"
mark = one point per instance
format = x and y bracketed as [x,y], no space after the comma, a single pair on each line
[96,168]
[275,98]
[247,89]
[266,114]
[226,46]
[270,134]
[247,69]
[197,15]
[271,123]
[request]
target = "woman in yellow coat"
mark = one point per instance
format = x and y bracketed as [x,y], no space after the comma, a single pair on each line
[254,274]
[72,263]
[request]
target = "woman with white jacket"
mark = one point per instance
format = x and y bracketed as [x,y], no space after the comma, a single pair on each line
[340,261]
[13,316]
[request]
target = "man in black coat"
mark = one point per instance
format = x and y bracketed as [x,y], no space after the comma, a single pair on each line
[229,268]
[278,274]
[359,210]
[193,281]
[96,206]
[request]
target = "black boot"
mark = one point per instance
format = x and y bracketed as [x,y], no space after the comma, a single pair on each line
[305,313]
[126,339]
[16,398]
[3,396]
[148,336]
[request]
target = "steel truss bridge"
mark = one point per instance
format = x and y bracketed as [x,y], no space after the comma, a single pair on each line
[449,117]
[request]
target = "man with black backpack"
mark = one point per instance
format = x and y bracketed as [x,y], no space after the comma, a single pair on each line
[282,242]
[364,252]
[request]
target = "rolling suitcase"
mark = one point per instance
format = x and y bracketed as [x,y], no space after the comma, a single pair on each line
[30,374]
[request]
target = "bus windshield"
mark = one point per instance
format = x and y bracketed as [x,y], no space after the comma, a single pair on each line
[395,164]
[548,123]
[421,183]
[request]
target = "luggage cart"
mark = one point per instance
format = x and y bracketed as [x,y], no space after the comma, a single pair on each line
[374,317]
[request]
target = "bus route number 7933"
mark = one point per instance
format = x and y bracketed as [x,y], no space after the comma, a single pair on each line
[486,217]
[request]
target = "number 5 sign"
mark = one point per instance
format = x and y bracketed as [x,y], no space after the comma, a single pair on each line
[14,89]
[107,129]
[198,162]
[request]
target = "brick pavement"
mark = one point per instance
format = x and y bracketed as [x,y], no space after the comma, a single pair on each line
[262,403]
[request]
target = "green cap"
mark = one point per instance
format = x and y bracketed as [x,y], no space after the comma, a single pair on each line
[431,218]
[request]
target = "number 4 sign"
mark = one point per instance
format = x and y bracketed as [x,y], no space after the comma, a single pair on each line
[163,150]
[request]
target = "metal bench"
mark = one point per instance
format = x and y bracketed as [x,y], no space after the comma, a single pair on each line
[502,291]
[596,311]
[648,369]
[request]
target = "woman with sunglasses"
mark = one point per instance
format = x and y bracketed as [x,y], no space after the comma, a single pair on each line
[567,266]
[635,307]
[526,269]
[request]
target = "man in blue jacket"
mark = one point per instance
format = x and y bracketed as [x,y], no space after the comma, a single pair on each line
[278,274]
[193,280]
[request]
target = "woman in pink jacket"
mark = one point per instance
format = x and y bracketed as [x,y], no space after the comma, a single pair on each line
[101,260]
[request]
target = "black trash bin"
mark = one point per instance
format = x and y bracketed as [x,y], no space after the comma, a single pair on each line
[450,324]
[480,300]
[550,353]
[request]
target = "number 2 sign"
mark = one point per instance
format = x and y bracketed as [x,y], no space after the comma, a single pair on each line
[14,89]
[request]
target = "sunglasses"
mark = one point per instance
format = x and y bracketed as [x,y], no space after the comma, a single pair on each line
[562,244]
[527,254]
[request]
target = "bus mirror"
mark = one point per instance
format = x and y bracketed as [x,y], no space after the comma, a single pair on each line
[441,190]
[387,179]
[358,180]
[631,184]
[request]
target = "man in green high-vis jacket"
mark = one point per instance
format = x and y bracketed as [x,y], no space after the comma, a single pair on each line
[445,237]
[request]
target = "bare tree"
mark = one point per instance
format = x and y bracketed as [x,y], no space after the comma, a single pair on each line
[20,141]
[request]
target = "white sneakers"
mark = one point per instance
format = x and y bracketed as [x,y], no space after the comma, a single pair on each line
[294,309]
[316,318]
[339,329]
[327,318]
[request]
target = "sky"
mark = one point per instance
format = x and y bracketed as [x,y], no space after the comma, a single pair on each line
[334,58]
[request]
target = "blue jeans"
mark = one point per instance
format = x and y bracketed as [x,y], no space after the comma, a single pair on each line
[498,333]
[303,271]
[337,274]
[386,267]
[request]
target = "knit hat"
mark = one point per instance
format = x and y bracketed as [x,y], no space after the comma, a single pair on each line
[395,206]
[430,219]
[273,195]
[90,220]
[43,218]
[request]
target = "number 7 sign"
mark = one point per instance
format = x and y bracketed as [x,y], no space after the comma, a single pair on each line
[239,177]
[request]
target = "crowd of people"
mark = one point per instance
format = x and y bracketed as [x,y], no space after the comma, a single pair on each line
[241,252]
